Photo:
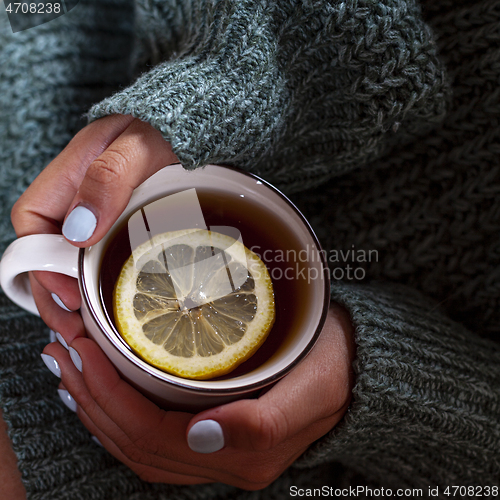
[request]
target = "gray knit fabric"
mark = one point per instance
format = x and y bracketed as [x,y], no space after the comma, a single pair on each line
[390,143]
[294,91]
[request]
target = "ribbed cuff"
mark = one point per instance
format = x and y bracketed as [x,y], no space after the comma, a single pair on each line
[194,110]
[274,87]
[426,398]
[221,99]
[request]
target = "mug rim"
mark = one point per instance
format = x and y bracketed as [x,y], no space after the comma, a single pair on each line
[178,381]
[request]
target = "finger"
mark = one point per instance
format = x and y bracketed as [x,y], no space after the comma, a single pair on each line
[125,406]
[157,442]
[145,472]
[93,417]
[108,184]
[64,288]
[316,393]
[161,445]
[72,382]
[107,432]
[68,324]
[262,424]
[43,206]
[65,294]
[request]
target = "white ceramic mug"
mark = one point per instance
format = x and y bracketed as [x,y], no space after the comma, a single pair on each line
[49,252]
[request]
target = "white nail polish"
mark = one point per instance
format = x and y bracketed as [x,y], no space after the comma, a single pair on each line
[61,340]
[67,399]
[59,302]
[53,337]
[206,436]
[97,441]
[75,357]
[52,364]
[79,225]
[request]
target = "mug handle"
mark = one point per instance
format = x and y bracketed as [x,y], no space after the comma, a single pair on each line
[37,252]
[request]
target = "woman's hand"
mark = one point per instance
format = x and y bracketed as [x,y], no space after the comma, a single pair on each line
[250,442]
[82,192]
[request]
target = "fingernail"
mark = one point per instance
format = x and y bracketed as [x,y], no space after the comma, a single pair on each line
[59,302]
[97,441]
[206,437]
[62,341]
[75,357]
[52,364]
[67,399]
[80,224]
[52,334]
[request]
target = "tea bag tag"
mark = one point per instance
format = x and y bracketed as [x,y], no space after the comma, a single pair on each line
[181,211]
[171,213]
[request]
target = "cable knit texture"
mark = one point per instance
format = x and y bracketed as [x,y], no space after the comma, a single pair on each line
[295,91]
[424,412]
[385,130]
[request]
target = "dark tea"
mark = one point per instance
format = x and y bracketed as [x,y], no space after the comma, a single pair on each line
[264,234]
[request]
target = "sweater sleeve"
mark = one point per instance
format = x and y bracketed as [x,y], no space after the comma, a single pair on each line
[295,91]
[49,76]
[426,399]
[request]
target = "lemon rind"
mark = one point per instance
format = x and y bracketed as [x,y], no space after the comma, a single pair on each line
[197,367]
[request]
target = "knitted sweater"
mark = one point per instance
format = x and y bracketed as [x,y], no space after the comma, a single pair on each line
[384,130]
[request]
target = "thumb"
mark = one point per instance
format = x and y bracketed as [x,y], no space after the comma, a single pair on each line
[304,405]
[256,424]
[135,155]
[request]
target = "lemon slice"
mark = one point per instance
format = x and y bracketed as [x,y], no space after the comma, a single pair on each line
[194,303]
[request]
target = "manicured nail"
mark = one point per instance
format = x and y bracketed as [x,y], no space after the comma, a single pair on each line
[97,441]
[53,337]
[80,224]
[67,399]
[52,364]
[206,437]
[75,357]
[62,341]
[59,302]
